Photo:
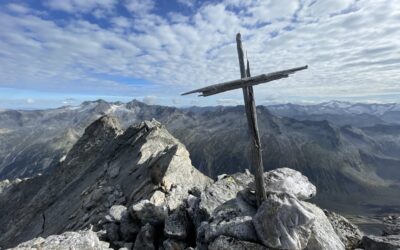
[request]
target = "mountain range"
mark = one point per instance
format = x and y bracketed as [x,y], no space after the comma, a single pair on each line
[351,152]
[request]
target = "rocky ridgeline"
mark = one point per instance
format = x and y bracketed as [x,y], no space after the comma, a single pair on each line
[136,189]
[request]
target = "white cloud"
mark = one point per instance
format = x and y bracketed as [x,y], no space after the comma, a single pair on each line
[150,100]
[229,102]
[188,3]
[350,46]
[30,101]
[140,7]
[18,8]
[79,6]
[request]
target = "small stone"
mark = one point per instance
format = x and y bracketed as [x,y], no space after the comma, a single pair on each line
[221,176]
[116,212]
[147,212]
[158,198]
[113,171]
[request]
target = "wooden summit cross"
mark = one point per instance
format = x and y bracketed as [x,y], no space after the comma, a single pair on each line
[246,83]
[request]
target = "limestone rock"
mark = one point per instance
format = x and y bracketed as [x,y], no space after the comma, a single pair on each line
[283,222]
[348,233]
[233,219]
[392,225]
[177,224]
[241,228]
[323,235]
[68,240]
[228,243]
[147,212]
[389,242]
[145,238]
[116,213]
[286,180]
[223,190]
[145,162]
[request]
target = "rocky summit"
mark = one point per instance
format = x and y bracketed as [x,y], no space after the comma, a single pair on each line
[136,188]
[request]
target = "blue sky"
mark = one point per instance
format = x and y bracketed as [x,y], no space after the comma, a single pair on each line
[62,52]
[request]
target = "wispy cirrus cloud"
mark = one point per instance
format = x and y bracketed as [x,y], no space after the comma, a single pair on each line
[146,48]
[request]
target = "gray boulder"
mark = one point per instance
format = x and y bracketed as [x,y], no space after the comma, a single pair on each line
[389,242]
[145,239]
[348,233]
[283,222]
[323,236]
[147,212]
[286,180]
[116,213]
[392,225]
[228,243]
[233,219]
[177,224]
[241,228]
[128,228]
[225,189]
[84,240]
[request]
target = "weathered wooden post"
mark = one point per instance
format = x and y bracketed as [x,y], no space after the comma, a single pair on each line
[251,114]
[246,83]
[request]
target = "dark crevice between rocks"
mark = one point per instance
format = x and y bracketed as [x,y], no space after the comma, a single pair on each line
[191,232]
[43,225]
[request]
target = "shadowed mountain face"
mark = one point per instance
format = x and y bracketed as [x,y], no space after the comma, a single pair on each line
[357,161]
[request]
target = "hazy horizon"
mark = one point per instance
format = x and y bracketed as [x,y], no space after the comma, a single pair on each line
[76,104]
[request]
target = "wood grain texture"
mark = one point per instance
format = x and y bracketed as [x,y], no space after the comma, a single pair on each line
[245,82]
[251,114]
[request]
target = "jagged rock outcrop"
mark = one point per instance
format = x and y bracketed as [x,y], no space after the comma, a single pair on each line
[107,166]
[390,238]
[83,240]
[323,236]
[389,242]
[392,224]
[225,189]
[349,234]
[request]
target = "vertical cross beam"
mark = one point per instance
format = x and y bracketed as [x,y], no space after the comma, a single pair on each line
[256,152]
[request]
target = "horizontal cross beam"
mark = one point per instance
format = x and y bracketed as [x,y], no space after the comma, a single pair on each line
[245,82]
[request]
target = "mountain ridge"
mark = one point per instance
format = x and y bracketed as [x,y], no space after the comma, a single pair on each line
[342,159]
